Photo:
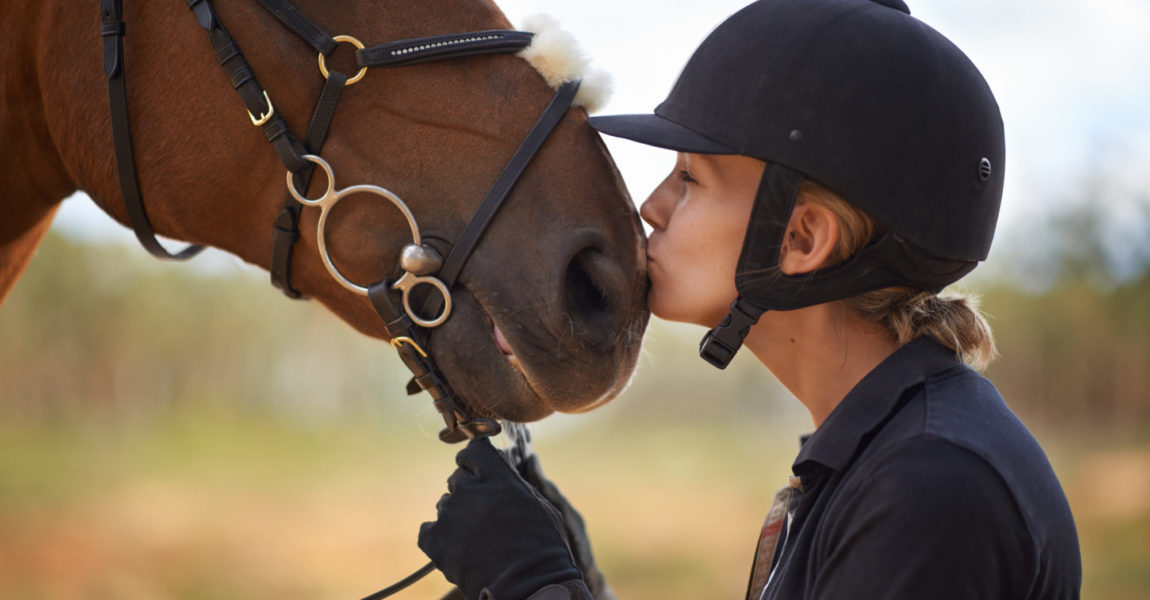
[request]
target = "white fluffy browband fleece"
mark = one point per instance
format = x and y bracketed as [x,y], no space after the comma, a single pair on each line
[559,59]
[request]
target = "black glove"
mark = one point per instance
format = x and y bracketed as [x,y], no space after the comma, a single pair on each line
[495,532]
[576,530]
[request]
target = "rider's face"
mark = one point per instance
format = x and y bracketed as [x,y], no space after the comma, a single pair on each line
[699,217]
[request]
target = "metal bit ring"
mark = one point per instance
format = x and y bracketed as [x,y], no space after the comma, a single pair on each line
[409,281]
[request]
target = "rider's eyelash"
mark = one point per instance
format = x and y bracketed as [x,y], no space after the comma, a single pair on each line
[685,176]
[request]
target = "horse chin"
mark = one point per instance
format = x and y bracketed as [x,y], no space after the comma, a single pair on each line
[533,380]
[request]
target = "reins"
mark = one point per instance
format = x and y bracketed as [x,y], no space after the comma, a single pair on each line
[421,264]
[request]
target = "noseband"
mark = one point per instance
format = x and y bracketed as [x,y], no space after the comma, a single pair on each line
[421,264]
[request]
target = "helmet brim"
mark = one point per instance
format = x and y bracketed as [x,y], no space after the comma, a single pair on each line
[654,130]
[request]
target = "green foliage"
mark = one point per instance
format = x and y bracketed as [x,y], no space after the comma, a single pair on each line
[1076,355]
[105,332]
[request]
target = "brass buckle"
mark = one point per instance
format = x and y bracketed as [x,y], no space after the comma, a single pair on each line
[354,42]
[264,118]
[396,342]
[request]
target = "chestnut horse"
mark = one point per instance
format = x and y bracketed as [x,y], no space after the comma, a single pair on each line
[548,312]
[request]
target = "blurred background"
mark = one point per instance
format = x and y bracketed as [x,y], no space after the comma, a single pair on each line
[183,431]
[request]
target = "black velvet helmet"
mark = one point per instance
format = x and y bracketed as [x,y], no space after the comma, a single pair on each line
[862,98]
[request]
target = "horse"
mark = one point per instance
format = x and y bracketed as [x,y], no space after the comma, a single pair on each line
[549,310]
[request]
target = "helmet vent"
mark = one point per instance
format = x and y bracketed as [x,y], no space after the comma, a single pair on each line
[984,170]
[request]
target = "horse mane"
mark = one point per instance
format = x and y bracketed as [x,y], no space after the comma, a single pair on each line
[559,59]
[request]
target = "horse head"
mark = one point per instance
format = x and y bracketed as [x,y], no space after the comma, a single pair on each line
[550,308]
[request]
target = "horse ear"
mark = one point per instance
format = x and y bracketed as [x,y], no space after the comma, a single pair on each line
[557,56]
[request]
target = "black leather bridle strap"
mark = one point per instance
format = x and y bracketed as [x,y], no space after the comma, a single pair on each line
[324,112]
[391,54]
[287,146]
[301,25]
[112,30]
[410,342]
[243,79]
[453,264]
[286,228]
[465,245]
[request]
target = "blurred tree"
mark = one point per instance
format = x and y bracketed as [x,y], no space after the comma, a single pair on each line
[107,332]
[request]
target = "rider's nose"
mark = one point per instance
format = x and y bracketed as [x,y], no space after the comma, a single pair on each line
[656,209]
[592,289]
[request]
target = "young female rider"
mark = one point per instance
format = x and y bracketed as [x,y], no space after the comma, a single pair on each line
[839,163]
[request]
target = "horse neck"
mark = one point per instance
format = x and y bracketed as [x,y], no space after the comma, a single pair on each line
[34,175]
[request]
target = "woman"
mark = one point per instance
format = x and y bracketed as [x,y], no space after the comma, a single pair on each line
[839,164]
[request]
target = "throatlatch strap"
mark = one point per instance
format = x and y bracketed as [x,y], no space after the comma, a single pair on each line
[112,30]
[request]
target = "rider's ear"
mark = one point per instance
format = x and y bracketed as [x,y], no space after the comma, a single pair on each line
[812,235]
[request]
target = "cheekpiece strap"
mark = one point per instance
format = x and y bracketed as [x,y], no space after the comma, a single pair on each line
[285,231]
[255,97]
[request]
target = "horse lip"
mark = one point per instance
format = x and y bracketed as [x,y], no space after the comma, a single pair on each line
[501,340]
[503,345]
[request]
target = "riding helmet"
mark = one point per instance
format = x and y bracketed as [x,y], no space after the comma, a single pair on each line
[862,98]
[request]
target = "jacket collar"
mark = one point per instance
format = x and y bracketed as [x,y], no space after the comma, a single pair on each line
[871,401]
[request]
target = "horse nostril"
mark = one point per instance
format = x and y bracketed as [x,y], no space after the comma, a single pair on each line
[587,301]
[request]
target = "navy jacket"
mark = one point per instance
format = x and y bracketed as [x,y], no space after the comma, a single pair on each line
[923,484]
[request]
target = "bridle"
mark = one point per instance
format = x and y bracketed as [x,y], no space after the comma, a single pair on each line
[422,265]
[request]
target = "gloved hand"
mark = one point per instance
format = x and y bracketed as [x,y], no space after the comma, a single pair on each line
[495,533]
[577,539]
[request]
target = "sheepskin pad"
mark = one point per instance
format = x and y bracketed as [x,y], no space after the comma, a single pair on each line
[559,59]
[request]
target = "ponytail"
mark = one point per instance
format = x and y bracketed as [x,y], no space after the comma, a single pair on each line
[950,318]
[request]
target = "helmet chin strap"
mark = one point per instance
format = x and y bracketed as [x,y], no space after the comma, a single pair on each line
[887,261]
[721,344]
[774,203]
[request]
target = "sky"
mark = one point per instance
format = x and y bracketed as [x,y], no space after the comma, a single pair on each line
[1072,79]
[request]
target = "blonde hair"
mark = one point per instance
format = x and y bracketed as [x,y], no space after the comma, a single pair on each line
[951,318]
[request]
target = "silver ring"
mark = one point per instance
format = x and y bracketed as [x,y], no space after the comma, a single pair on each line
[327,202]
[409,282]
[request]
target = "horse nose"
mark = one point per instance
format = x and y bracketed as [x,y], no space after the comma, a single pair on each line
[592,289]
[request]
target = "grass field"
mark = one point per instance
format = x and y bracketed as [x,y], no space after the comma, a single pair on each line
[225,506]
